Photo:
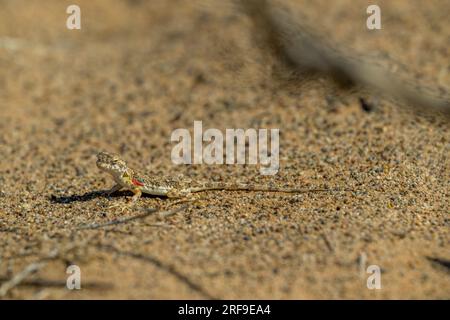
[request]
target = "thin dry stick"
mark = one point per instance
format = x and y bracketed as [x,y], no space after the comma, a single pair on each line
[165,213]
[168,213]
[116,222]
[169,268]
[28,270]
[327,242]
[33,267]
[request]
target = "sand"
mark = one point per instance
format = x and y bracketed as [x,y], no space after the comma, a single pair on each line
[136,71]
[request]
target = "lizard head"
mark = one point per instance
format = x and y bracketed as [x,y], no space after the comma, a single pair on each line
[111,163]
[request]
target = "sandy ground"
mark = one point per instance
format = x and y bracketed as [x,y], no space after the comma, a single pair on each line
[136,71]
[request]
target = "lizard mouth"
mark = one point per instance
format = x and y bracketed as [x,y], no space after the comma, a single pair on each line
[104,160]
[101,165]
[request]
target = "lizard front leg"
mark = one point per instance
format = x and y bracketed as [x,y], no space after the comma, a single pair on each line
[137,194]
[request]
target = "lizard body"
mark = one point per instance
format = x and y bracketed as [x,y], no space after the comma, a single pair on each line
[130,179]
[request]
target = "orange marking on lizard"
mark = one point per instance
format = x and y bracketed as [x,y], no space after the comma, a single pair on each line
[137,182]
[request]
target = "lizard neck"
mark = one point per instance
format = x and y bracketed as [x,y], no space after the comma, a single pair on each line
[124,178]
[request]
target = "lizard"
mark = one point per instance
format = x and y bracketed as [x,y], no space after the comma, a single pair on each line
[170,187]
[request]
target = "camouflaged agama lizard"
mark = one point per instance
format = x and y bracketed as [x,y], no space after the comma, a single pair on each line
[129,179]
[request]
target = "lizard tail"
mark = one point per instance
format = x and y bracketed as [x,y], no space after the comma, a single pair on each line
[244,187]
